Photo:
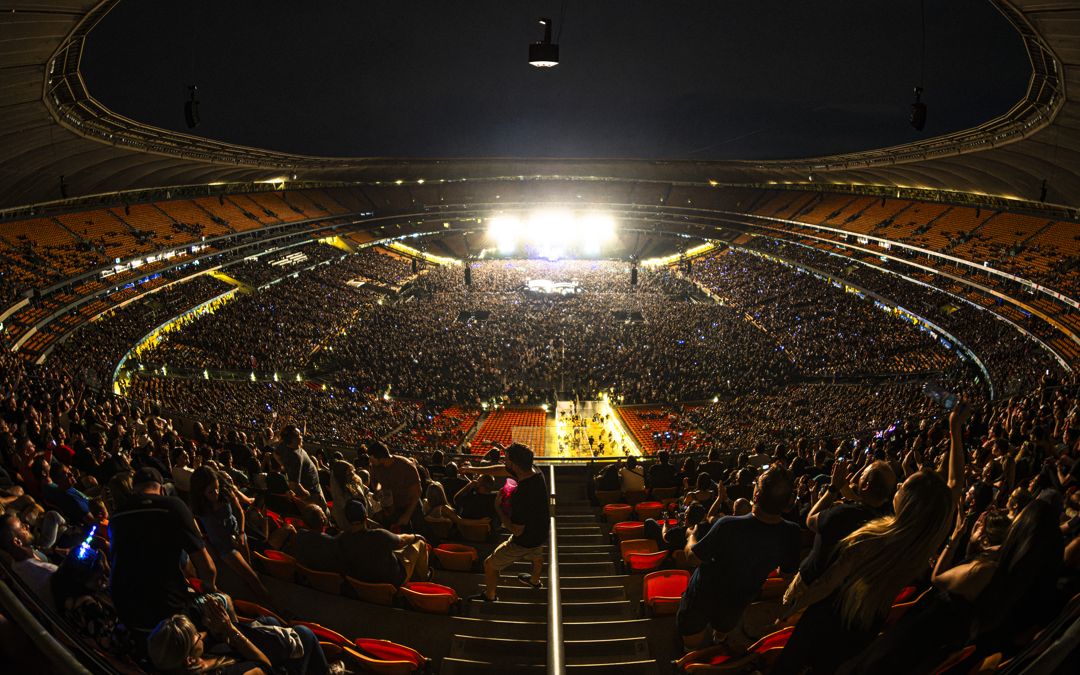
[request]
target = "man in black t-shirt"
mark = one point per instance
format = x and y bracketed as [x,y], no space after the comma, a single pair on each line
[378,556]
[528,521]
[737,554]
[148,535]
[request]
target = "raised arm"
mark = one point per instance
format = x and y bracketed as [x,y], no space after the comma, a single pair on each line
[957,418]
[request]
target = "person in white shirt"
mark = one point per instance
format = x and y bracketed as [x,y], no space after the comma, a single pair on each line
[632,476]
[30,565]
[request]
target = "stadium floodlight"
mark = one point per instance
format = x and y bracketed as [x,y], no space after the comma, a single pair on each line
[552,230]
[505,232]
[544,54]
[595,230]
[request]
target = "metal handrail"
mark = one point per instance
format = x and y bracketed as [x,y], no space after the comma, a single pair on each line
[14,599]
[555,658]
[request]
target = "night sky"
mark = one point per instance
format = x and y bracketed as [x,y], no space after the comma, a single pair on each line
[674,79]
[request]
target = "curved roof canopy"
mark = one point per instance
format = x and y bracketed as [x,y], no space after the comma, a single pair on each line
[54,127]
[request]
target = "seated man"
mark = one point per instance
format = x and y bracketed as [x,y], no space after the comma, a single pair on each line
[737,554]
[662,474]
[148,534]
[378,556]
[311,546]
[477,499]
[63,496]
[31,565]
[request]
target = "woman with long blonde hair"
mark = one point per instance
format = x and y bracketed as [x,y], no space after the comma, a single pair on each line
[847,604]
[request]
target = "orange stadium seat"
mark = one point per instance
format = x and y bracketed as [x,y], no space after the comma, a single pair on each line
[327,582]
[645,510]
[379,594]
[429,597]
[388,658]
[457,557]
[616,513]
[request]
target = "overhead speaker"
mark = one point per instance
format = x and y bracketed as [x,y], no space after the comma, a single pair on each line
[918,111]
[191,108]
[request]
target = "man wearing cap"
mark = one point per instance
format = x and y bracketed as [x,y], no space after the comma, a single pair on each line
[378,556]
[149,533]
[527,521]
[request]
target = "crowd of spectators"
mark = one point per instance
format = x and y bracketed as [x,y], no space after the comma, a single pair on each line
[74,459]
[1016,363]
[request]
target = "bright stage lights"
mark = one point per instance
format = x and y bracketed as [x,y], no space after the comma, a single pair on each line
[505,231]
[552,233]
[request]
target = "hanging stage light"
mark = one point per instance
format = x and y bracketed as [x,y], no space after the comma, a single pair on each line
[544,54]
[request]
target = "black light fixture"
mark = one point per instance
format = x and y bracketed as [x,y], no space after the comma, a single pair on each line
[191,108]
[918,111]
[544,54]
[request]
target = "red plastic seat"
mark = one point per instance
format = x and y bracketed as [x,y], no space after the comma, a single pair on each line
[385,657]
[906,594]
[276,564]
[429,597]
[617,513]
[324,634]
[648,510]
[718,659]
[773,588]
[628,529]
[456,557]
[645,562]
[662,591]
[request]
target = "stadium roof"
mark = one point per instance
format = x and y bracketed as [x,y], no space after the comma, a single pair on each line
[54,127]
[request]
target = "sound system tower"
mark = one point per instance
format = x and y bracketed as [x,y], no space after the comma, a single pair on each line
[191,113]
[633,276]
[468,275]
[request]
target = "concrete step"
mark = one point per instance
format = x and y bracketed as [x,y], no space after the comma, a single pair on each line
[593,556]
[534,652]
[592,593]
[510,630]
[603,610]
[595,538]
[575,569]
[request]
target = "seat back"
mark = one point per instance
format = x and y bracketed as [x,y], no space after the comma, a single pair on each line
[662,590]
[440,530]
[645,562]
[324,634]
[637,546]
[474,531]
[628,529]
[250,610]
[427,597]
[773,588]
[327,582]
[606,497]
[277,564]
[379,594]
[385,657]
[665,494]
[645,510]
[955,659]
[617,513]
[635,496]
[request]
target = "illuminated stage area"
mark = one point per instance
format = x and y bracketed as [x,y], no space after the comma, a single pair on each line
[587,429]
[551,233]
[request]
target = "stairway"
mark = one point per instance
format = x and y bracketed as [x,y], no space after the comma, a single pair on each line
[602,631]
